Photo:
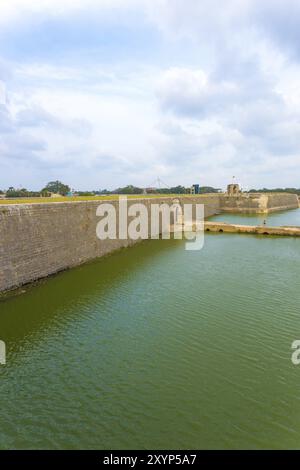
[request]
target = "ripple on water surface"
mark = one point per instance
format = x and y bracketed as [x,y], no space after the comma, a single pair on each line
[158,347]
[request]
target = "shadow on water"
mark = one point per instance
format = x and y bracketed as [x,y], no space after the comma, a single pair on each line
[38,307]
[157,347]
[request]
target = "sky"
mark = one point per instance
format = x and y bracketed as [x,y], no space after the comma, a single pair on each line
[104,93]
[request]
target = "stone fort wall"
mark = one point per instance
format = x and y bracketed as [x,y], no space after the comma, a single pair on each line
[37,240]
[253,203]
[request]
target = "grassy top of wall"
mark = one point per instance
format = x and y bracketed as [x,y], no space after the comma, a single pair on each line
[40,200]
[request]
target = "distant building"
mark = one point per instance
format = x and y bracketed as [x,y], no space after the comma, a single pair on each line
[71,193]
[233,189]
[195,189]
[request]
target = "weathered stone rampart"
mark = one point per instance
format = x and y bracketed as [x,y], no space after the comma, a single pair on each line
[279,202]
[37,240]
[253,203]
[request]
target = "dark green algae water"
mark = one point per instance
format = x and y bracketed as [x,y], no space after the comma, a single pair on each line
[158,347]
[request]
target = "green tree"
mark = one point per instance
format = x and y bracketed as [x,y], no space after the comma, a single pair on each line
[178,190]
[12,192]
[56,187]
[130,189]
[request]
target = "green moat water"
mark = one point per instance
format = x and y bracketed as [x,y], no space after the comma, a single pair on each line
[158,347]
[291,217]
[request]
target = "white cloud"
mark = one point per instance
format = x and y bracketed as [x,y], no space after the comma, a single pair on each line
[16,10]
[99,128]
[2,93]
[163,8]
[216,91]
[189,91]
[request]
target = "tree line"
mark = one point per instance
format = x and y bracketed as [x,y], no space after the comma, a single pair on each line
[57,187]
[276,190]
[53,187]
